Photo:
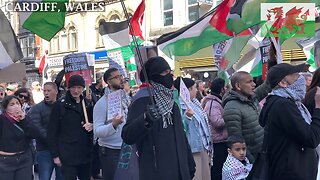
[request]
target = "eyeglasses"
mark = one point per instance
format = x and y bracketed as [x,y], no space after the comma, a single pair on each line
[118,77]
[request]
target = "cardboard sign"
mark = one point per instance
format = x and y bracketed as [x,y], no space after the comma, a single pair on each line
[114,104]
[184,93]
[13,73]
[77,64]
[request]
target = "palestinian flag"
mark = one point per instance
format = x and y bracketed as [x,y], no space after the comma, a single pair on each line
[137,21]
[227,53]
[247,13]
[206,31]
[43,23]
[308,45]
[10,51]
[258,65]
[116,41]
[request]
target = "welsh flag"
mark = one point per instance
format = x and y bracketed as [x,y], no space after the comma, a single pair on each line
[247,13]
[206,31]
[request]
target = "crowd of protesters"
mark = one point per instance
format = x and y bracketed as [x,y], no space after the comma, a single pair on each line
[219,133]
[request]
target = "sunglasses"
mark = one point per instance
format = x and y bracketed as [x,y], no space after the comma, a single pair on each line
[24,97]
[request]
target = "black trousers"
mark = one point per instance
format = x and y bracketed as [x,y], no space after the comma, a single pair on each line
[109,160]
[220,154]
[96,165]
[16,167]
[72,172]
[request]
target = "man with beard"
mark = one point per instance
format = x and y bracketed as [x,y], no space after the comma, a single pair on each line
[157,130]
[40,115]
[109,131]
[70,137]
[291,132]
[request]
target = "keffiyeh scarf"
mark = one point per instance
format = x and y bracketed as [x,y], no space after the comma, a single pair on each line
[233,169]
[202,119]
[296,92]
[164,100]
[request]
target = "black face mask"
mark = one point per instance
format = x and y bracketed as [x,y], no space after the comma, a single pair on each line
[166,81]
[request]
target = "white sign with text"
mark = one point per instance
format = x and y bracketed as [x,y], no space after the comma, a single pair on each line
[114,104]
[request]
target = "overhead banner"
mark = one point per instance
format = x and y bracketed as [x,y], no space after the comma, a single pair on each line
[77,64]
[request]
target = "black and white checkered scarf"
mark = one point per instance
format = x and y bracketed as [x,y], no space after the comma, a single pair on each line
[164,100]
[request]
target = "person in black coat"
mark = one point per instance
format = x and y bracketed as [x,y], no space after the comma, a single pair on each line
[292,134]
[157,131]
[70,138]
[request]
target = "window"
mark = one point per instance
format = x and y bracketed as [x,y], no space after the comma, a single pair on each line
[167,12]
[27,46]
[193,10]
[99,42]
[55,44]
[73,40]
[114,18]
[64,42]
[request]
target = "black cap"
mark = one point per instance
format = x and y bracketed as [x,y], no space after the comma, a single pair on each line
[76,80]
[154,66]
[187,81]
[278,72]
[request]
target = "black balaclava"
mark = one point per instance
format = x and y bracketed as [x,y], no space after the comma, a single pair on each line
[154,67]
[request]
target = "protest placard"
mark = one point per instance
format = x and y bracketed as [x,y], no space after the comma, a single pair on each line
[77,64]
[114,104]
[185,93]
[116,61]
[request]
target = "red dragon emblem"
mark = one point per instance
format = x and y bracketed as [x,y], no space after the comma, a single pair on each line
[291,24]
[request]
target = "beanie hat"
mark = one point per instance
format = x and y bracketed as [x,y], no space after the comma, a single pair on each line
[154,66]
[187,81]
[278,72]
[76,80]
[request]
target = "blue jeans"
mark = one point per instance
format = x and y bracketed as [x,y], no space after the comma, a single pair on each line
[46,166]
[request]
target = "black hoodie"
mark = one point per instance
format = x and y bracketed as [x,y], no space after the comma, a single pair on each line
[291,141]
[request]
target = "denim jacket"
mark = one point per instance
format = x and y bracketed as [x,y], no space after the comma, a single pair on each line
[192,130]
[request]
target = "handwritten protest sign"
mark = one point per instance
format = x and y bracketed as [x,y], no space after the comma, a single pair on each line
[184,93]
[114,104]
[77,64]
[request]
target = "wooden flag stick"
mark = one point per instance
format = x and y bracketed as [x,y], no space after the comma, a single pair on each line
[85,112]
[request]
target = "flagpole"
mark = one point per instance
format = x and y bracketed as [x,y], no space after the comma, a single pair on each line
[144,72]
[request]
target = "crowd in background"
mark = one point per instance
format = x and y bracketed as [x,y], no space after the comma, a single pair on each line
[219,133]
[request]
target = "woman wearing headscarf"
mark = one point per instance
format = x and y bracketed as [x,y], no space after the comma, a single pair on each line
[197,129]
[16,131]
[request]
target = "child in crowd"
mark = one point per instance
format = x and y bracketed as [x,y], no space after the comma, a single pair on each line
[237,166]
